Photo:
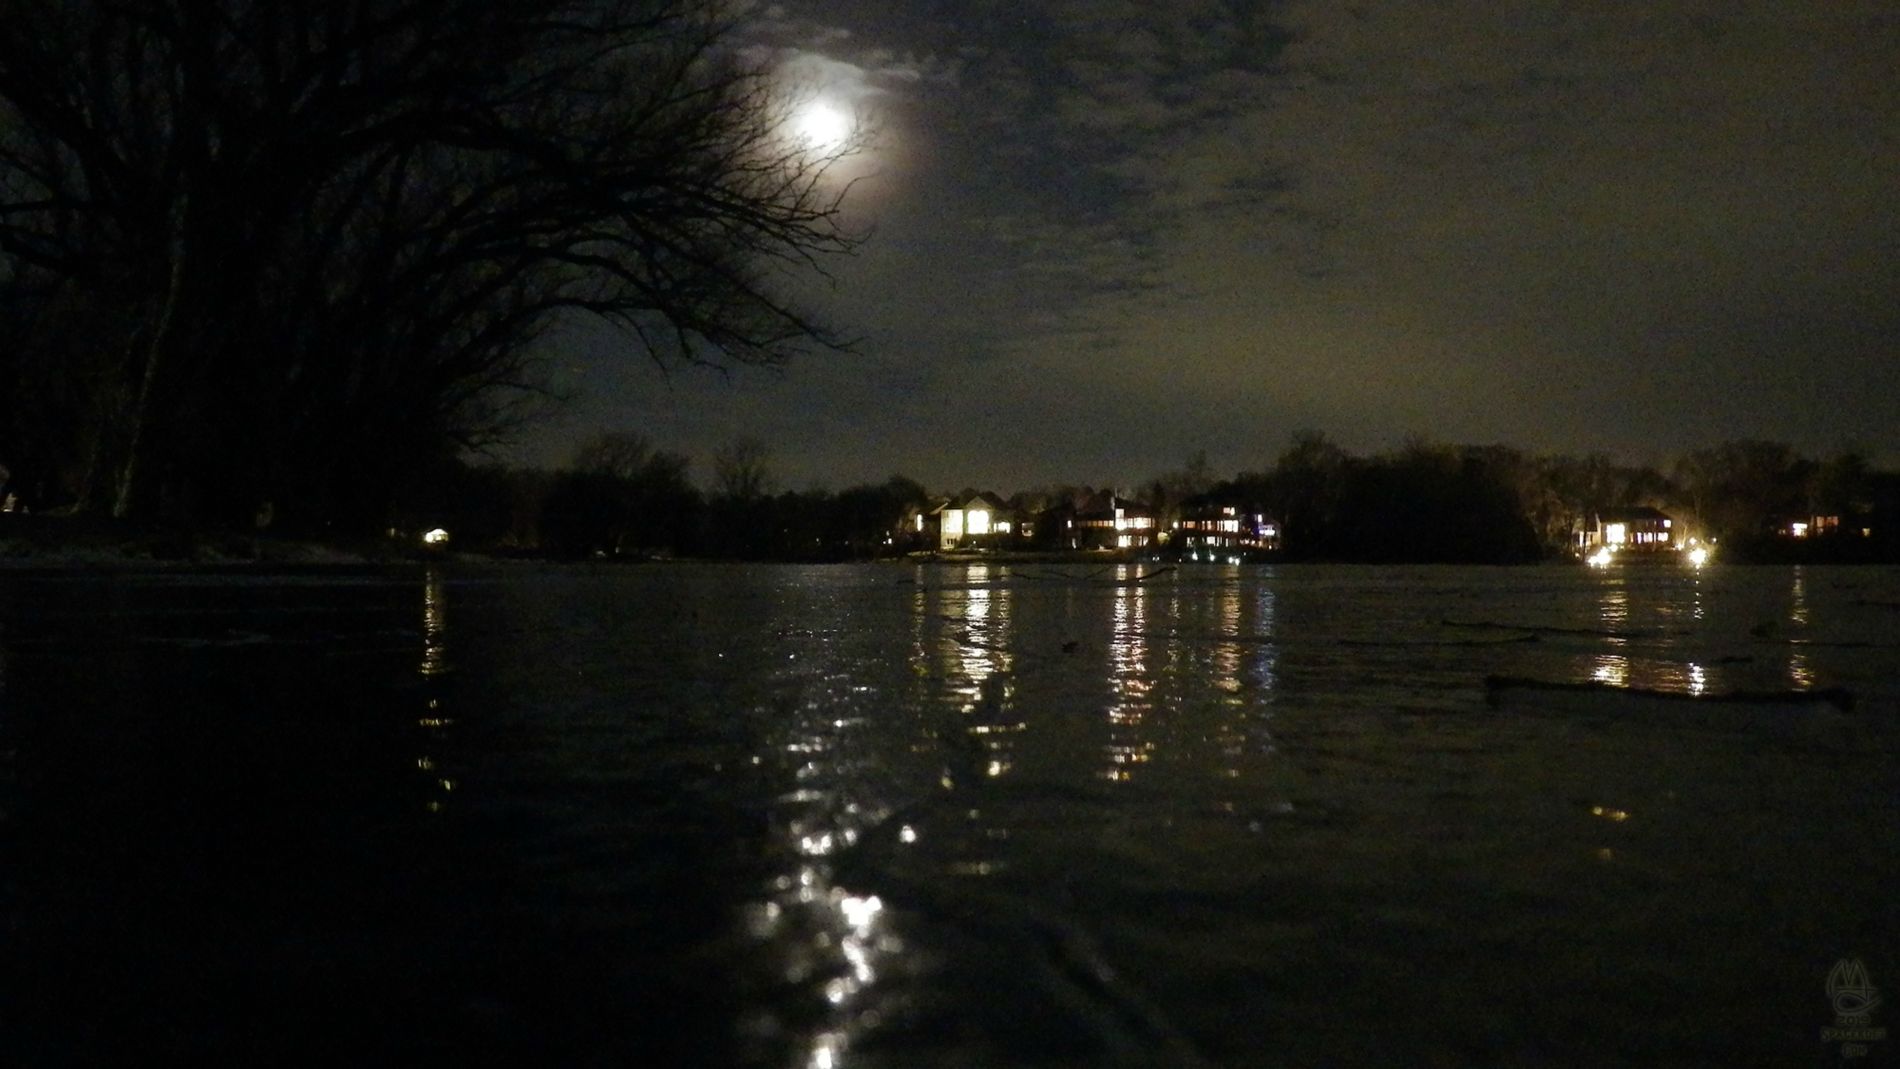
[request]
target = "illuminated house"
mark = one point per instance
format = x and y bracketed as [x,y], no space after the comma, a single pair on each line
[1809,527]
[1110,522]
[1637,530]
[1214,523]
[971,520]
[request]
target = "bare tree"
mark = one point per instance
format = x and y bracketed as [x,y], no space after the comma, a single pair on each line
[741,472]
[336,232]
[621,454]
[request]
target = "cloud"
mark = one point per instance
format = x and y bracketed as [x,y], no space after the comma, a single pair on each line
[1139,228]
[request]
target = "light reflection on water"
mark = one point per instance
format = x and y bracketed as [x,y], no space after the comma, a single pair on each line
[435,623]
[434,720]
[984,659]
[1129,742]
[1698,675]
[1710,631]
[877,863]
[827,945]
[1800,671]
[1231,730]
[1267,658]
[1227,652]
[1613,666]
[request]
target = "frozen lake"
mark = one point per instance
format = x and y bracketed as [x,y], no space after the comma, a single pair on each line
[886,815]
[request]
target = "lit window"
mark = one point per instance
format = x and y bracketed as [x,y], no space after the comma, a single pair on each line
[978,522]
[953,523]
[1616,533]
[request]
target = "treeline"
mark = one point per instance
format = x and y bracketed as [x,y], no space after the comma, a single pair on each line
[1424,502]
[620,497]
[1430,501]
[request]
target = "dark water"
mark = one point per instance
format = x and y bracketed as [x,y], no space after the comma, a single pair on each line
[949,816]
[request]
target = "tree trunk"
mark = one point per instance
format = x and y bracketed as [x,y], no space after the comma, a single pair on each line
[130,483]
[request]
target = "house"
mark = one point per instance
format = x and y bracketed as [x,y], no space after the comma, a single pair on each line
[1815,527]
[1107,521]
[972,520]
[1628,530]
[1212,522]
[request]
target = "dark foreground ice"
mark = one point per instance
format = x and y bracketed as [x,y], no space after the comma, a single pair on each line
[974,815]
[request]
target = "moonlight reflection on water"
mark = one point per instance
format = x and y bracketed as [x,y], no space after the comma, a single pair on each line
[939,815]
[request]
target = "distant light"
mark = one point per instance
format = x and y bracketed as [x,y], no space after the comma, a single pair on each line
[437,537]
[1698,556]
[1601,558]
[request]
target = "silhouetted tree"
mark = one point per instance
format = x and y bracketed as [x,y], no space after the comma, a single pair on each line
[318,239]
[1306,487]
[861,517]
[1843,485]
[1741,488]
[1165,493]
[1431,503]
[621,454]
[620,496]
[741,470]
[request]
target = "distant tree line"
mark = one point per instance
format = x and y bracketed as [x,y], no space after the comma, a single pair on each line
[1428,501]
[620,496]
[268,261]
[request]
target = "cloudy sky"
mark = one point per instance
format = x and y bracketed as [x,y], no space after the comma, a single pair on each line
[1112,233]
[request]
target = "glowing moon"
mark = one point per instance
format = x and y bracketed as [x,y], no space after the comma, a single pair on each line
[822,127]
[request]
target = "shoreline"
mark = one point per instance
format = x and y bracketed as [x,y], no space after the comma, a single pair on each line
[56,545]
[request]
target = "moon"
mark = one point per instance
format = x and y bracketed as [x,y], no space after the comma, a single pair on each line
[822,127]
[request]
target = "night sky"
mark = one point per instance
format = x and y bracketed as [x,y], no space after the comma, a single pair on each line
[1110,234]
